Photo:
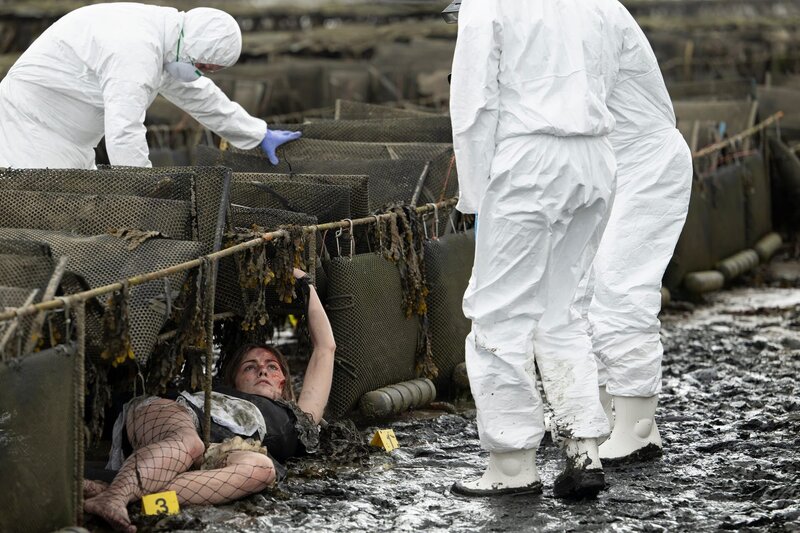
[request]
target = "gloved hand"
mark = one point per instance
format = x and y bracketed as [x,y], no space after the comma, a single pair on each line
[275,138]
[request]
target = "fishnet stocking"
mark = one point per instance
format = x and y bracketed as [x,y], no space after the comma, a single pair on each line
[245,473]
[166,444]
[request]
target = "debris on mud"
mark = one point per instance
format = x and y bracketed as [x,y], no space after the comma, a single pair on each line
[729,416]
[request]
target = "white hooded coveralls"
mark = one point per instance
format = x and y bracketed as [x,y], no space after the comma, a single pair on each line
[95,72]
[654,178]
[530,125]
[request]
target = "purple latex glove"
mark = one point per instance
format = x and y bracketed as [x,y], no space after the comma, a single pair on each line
[275,138]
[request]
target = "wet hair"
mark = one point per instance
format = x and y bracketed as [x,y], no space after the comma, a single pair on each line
[231,367]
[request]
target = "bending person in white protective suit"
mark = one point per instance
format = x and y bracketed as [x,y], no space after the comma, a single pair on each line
[654,179]
[530,126]
[95,72]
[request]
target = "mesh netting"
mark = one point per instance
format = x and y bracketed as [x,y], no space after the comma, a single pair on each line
[103,259]
[758,208]
[448,264]
[434,129]
[358,186]
[12,297]
[342,150]
[30,272]
[327,203]
[364,302]
[693,250]
[389,181]
[785,179]
[774,99]
[726,212]
[90,214]
[25,270]
[441,182]
[312,195]
[63,209]
[267,218]
[38,444]
[203,188]
[349,110]
[19,247]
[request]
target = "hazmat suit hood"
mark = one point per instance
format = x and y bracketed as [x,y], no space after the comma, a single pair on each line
[210,36]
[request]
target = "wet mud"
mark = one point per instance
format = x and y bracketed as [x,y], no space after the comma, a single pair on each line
[729,417]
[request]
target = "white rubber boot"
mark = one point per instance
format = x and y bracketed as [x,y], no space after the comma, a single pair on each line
[605,401]
[583,475]
[635,436]
[551,429]
[507,473]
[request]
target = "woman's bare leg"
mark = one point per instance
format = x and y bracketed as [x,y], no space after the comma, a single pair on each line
[245,473]
[166,444]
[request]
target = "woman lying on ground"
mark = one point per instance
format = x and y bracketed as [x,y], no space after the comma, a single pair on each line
[256,401]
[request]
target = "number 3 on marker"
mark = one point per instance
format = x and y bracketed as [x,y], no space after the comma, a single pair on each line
[160,503]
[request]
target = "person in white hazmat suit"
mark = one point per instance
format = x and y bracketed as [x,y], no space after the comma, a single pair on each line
[95,72]
[530,131]
[654,180]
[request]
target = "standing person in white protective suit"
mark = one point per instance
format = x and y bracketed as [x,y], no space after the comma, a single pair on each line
[530,126]
[95,72]
[654,179]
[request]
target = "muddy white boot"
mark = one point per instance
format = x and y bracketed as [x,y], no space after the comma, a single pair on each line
[507,473]
[635,435]
[583,475]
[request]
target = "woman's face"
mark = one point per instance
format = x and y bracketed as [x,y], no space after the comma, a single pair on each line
[259,373]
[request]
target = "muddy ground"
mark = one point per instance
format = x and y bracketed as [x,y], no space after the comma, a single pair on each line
[729,417]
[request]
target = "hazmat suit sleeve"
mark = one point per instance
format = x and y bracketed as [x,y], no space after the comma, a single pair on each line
[127,80]
[474,97]
[213,109]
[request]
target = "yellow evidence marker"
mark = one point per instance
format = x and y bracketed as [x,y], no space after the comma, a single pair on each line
[385,438]
[161,503]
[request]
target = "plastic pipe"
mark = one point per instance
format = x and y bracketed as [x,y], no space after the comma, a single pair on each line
[704,281]
[767,246]
[738,263]
[398,398]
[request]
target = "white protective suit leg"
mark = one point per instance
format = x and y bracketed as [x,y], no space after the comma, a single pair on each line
[540,224]
[635,436]
[42,128]
[652,199]
[606,402]
[507,473]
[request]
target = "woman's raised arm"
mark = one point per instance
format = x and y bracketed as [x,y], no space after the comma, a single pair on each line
[319,373]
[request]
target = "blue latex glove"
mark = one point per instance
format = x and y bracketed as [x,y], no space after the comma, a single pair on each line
[275,138]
